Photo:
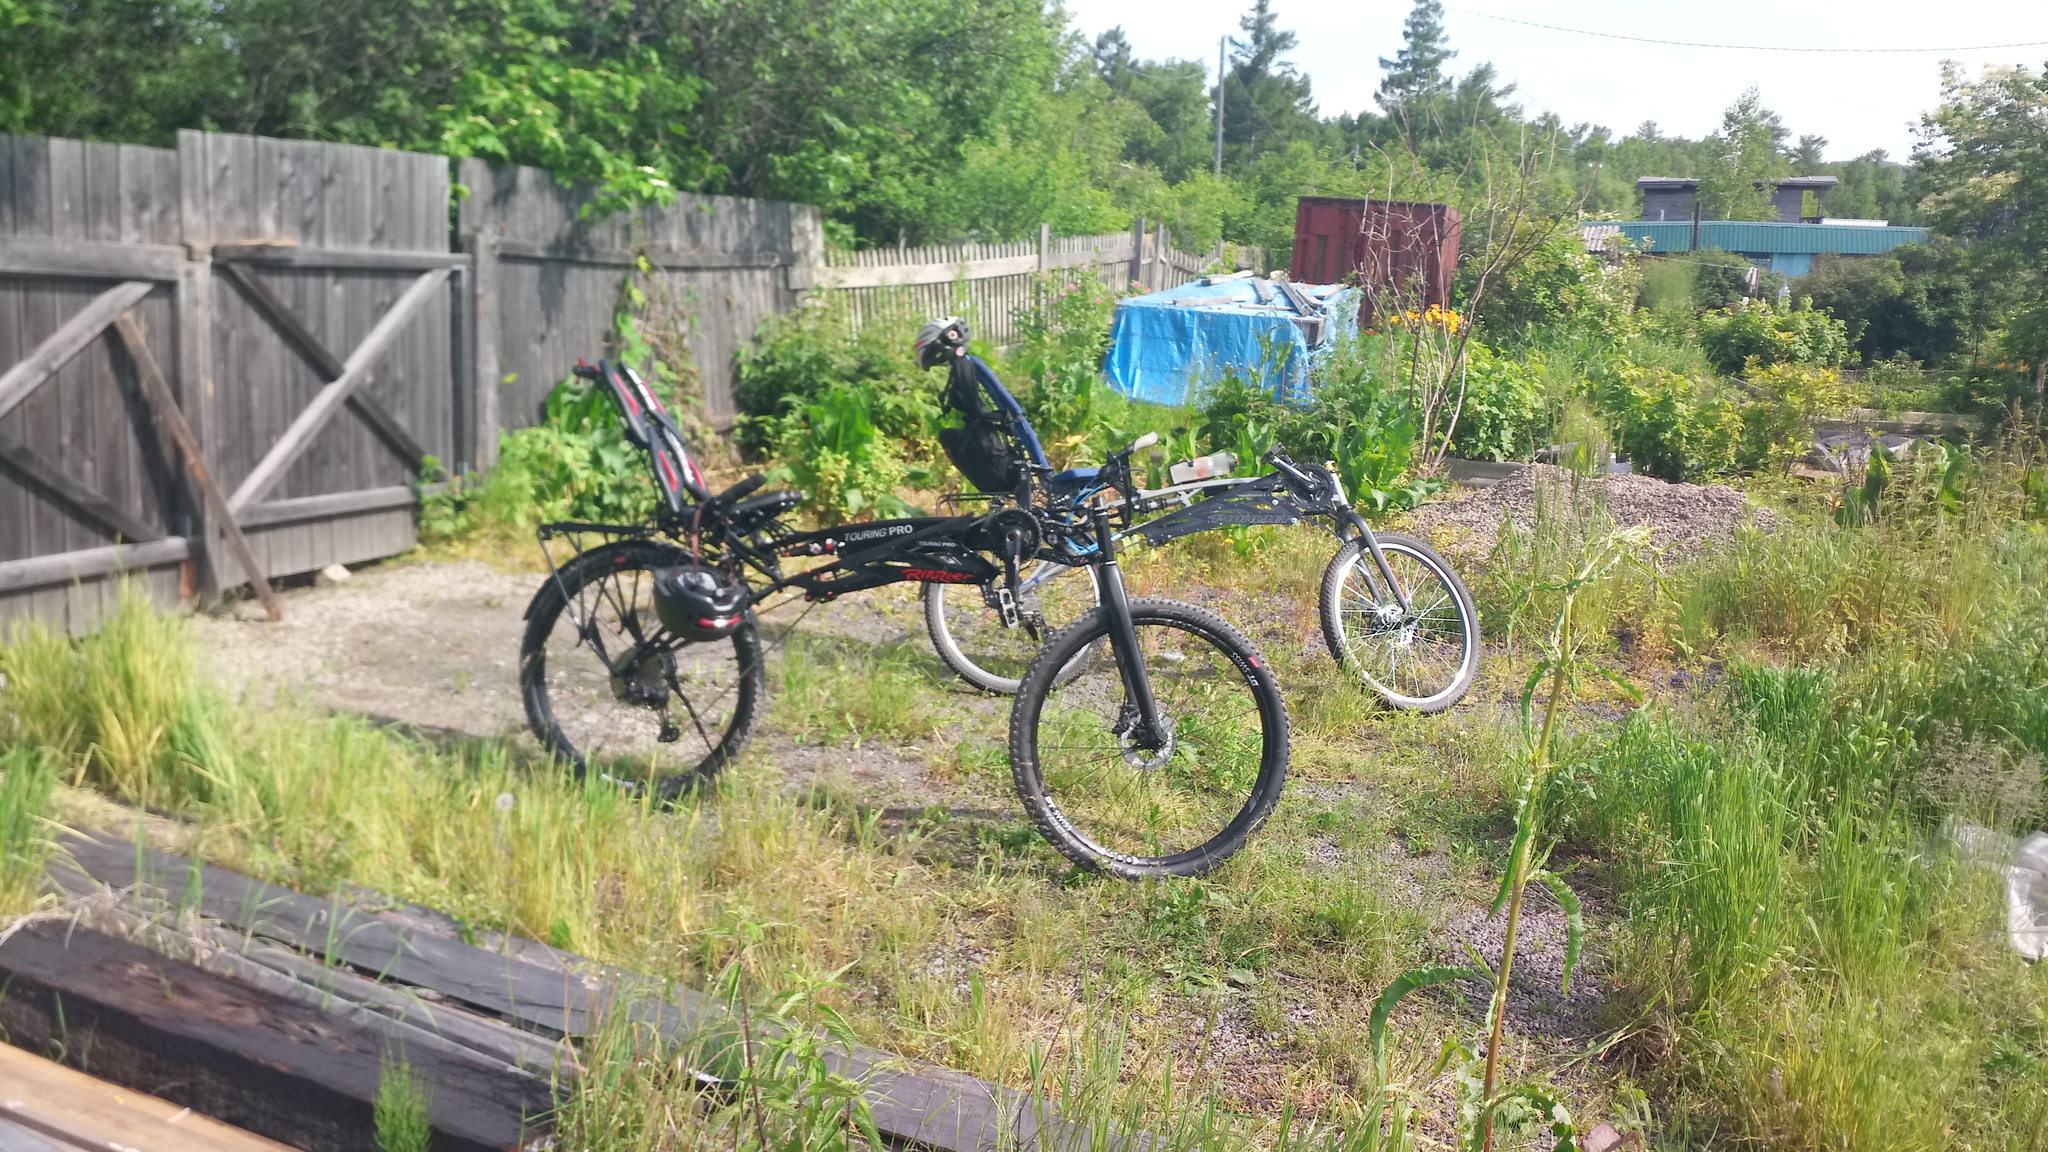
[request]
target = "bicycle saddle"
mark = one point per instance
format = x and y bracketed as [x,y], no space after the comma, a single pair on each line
[1073,479]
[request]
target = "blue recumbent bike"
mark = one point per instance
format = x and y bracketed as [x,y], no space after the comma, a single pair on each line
[1393,611]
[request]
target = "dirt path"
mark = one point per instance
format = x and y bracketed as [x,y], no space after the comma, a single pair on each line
[434,645]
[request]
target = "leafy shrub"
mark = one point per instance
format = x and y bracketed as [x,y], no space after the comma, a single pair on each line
[1058,363]
[576,464]
[1757,330]
[1354,419]
[1503,404]
[812,351]
[1670,424]
[1785,399]
[832,451]
[1562,287]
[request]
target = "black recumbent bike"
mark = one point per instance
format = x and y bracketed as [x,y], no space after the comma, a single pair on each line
[1393,611]
[1149,738]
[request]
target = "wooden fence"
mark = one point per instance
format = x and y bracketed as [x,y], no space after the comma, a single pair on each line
[232,358]
[549,281]
[231,296]
[990,284]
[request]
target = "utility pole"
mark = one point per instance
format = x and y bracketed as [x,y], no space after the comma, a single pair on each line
[1220,42]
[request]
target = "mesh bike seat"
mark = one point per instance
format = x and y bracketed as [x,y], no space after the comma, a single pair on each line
[1073,479]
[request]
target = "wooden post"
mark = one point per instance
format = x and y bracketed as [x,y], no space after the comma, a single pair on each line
[1044,247]
[483,307]
[157,391]
[1162,270]
[1138,251]
[195,383]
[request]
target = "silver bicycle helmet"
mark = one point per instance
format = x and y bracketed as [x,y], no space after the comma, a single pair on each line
[941,341]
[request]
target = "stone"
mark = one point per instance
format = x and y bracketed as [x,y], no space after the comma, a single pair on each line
[331,575]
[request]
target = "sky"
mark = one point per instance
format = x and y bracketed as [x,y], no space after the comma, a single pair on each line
[1858,101]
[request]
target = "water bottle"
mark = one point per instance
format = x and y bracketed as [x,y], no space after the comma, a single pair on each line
[1202,468]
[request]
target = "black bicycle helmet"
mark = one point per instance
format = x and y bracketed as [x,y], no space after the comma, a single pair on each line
[941,342]
[698,603]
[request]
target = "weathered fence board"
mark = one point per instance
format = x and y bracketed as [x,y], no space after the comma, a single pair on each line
[993,284]
[82,472]
[549,280]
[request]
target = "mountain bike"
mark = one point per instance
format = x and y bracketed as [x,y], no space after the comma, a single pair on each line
[642,659]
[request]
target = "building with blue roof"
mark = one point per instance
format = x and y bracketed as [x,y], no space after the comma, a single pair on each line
[1786,246]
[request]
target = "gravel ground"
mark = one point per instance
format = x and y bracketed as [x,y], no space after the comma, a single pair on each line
[1684,518]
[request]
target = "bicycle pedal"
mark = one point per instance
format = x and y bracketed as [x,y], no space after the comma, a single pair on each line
[1006,606]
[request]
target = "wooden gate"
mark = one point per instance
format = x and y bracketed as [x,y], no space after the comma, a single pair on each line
[298,299]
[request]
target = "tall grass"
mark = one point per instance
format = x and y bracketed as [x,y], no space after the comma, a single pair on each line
[1811,967]
[26,776]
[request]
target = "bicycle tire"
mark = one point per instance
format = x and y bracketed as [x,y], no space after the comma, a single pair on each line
[985,670]
[570,704]
[1367,633]
[1199,753]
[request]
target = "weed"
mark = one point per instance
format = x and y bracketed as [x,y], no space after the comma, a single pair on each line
[401,1110]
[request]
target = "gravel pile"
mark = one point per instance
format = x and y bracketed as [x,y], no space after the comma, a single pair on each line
[1683,518]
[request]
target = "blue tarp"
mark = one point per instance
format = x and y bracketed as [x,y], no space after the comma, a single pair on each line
[1163,352]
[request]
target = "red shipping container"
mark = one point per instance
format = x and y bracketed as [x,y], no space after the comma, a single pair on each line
[1381,245]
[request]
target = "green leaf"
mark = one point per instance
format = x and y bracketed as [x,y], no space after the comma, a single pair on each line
[1575,922]
[1406,982]
[1621,682]
[1529,693]
[1525,828]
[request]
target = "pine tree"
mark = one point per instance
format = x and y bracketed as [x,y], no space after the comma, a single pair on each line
[1267,103]
[1417,70]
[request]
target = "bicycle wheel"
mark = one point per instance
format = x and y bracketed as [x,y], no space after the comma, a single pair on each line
[607,689]
[968,632]
[1424,658]
[1180,810]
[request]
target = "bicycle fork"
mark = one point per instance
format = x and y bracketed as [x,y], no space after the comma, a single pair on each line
[1147,729]
[1379,558]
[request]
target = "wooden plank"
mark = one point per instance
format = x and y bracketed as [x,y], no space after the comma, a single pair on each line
[562,993]
[85,563]
[672,258]
[554,1001]
[157,391]
[489,367]
[299,436]
[67,341]
[353,259]
[882,277]
[71,494]
[35,256]
[327,507]
[282,1069]
[330,367]
[89,1112]
[197,401]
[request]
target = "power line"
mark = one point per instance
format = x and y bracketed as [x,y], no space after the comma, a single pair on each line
[1737,47]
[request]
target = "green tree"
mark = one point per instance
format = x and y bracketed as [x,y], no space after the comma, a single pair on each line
[1173,136]
[1416,71]
[1267,104]
[1742,161]
[1984,156]
[110,69]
